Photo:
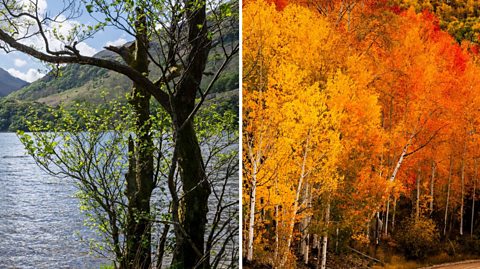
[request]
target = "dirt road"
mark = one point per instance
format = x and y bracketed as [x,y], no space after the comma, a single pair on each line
[462,265]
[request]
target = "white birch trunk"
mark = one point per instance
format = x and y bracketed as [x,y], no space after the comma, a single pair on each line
[251,221]
[295,205]
[276,235]
[392,179]
[448,196]
[473,198]
[417,205]
[253,195]
[386,215]
[306,222]
[325,238]
[432,182]
[463,186]
[400,160]
[394,212]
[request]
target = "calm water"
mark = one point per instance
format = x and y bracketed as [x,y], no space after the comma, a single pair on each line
[39,216]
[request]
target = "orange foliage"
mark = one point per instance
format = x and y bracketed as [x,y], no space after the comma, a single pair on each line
[357,106]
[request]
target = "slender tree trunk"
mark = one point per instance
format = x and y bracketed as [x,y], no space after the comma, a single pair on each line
[161,246]
[291,223]
[251,224]
[448,195]
[463,186]
[305,224]
[417,203]
[277,243]
[394,212]
[325,238]
[400,160]
[307,249]
[432,182]
[336,241]
[304,240]
[473,198]
[319,251]
[387,212]
[394,174]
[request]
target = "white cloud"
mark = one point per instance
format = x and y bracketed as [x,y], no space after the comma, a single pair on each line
[116,43]
[58,34]
[86,50]
[29,6]
[19,62]
[30,76]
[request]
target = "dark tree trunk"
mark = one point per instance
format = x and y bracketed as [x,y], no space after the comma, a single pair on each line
[196,189]
[141,184]
[138,235]
[190,250]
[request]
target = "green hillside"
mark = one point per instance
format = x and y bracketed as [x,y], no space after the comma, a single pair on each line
[76,83]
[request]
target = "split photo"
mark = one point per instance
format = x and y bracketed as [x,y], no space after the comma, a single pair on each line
[121,147]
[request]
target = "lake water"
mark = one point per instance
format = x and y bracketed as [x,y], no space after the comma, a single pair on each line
[39,216]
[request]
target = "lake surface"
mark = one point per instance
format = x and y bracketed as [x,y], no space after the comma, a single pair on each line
[40,220]
[39,216]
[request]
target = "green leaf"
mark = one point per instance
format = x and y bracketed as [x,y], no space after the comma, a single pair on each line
[89,8]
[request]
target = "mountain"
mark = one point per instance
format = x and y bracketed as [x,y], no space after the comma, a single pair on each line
[82,83]
[9,83]
[78,83]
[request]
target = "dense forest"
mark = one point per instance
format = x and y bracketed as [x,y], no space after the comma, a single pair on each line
[14,114]
[360,133]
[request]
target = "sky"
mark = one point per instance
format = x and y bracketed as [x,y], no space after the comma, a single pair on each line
[29,69]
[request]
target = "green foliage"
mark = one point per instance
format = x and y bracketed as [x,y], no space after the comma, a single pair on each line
[459,18]
[418,238]
[88,144]
[228,81]
[15,114]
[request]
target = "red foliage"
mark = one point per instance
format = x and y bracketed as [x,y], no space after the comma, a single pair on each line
[279,4]
[459,59]
[396,9]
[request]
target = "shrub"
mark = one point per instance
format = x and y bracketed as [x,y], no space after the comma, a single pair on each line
[418,238]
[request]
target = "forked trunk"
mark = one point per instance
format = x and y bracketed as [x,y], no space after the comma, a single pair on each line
[190,251]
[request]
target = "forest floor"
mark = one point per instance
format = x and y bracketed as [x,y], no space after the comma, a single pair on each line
[391,261]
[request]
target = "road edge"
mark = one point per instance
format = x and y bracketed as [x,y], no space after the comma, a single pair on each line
[448,264]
